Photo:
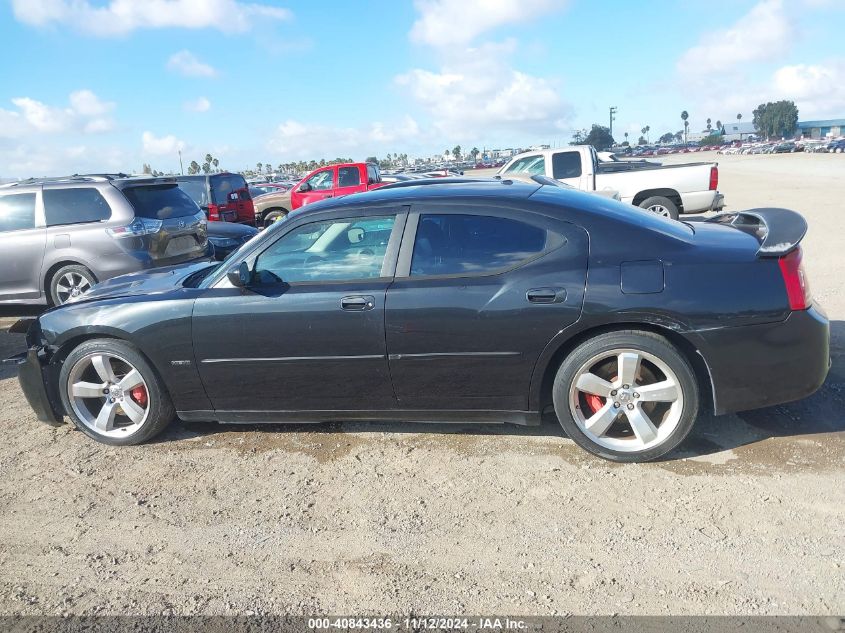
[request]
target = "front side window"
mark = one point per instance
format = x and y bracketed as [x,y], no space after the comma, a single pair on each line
[348,177]
[75,206]
[534,165]
[333,250]
[566,165]
[322,180]
[473,244]
[17,212]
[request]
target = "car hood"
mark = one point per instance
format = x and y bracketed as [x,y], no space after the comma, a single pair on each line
[152,282]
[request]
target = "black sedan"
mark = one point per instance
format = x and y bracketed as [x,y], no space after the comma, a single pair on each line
[227,237]
[486,301]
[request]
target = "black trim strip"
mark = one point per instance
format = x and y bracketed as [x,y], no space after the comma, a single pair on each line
[286,359]
[448,354]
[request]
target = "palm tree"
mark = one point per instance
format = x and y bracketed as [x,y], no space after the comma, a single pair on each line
[739,117]
[215,162]
[645,131]
[709,127]
[474,153]
[457,152]
[447,154]
[626,137]
[719,125]
[258,167]
[684,117]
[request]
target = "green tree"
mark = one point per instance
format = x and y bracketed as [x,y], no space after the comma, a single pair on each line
[684,118]
[194,168]
[666,138]
[599,137]
[258,167]
[718,125]
[579,137]
[208,158]
[712,139]
[739,117]
[645,131]
[776,119]
[642,141]
[456,152]
[709,127]
[371,159]
[216,164]
[474,153]
[146,169]
[447,152]
[626,137]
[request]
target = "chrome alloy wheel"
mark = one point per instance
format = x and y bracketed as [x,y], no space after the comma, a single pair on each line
[659,209]
[71,285]
[108,395]
[626,400]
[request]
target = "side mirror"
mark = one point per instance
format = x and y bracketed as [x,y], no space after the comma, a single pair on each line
[304,187]
[241,276]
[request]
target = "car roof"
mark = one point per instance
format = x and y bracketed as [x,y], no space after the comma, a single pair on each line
[436,188]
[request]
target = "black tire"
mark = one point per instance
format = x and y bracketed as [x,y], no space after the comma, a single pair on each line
[273,216]
[641,341]
[160,408]
[659,202]
[57,296]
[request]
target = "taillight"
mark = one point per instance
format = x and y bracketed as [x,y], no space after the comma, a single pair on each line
[138,227]
[714,178]
[213,212]
[795,280]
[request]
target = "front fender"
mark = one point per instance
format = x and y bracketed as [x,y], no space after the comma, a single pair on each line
[160,327]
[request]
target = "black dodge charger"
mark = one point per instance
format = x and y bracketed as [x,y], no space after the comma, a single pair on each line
[454,301]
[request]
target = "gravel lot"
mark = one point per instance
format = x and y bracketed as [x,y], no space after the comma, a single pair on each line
[394,518]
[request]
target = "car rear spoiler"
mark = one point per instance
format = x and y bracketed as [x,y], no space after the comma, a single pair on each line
[778,230]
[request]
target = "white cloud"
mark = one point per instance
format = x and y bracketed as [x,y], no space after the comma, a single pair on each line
[443,23]
[818,90]
[86,113]
[120,17]
[161,145]
[296,140]
[198,105]
[186,63]
[763,34]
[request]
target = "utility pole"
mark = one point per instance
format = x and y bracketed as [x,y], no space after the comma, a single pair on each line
[181,169]
[612,118]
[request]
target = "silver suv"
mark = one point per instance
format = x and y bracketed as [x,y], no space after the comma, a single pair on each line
[60,236]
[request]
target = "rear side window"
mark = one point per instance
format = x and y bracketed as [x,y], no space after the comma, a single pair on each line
[17,212]
[566,165]
[75,206]
[160,202]
[373,174]
[196,189]
[348,177]
[474,244]
[222,186]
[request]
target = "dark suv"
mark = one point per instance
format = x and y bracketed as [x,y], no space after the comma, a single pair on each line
[224,197]
[60,236]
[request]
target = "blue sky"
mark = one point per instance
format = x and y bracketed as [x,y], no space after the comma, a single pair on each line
[112,84]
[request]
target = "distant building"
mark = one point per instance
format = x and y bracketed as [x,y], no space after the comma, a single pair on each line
[738,131]
[822,129]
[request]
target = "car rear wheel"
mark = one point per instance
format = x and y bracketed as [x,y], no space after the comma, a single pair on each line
[274,216]
[70,282]
[627,396]
[112,394]
[661,206]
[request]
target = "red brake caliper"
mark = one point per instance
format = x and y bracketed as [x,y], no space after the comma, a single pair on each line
[596,402]
[139,395]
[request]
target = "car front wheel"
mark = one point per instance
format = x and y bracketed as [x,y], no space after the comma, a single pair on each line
[626,396]
[112,394]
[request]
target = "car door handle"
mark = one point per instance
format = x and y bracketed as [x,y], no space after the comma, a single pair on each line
[358,303]
[546,295]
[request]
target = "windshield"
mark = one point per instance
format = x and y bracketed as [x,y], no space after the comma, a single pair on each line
[535,165]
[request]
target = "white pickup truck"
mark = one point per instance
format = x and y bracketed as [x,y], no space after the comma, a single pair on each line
[668,190]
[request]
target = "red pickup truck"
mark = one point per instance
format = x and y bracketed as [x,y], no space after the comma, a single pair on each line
[334,181]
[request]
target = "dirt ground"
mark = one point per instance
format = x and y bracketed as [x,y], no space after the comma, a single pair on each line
[748,518]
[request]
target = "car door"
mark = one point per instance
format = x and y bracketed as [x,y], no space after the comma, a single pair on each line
[567,168]
[318,186]
[23,240]
[479,292]
[349,180]
[308,333]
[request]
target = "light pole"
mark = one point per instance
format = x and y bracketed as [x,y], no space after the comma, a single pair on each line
[612,119]
[181,169]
